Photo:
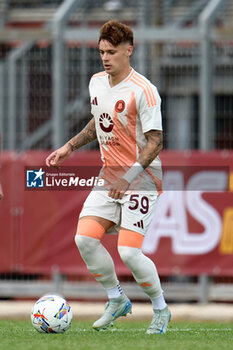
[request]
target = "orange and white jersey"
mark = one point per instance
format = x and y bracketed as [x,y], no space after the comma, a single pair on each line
[123,114]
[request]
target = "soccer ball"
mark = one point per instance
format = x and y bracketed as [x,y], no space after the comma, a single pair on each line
[51,314]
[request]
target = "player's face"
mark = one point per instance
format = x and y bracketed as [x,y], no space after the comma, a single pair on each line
[115,58]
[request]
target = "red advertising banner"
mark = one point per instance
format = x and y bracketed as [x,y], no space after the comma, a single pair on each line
[191,232]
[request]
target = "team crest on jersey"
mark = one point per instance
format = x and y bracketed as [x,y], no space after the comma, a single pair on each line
[120,106]
[106,122]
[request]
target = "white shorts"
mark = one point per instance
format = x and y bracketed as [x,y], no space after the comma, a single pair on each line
[133,212]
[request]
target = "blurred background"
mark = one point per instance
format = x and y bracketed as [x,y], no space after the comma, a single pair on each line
[48,52]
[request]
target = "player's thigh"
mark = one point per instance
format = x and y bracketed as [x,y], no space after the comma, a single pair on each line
[138,211]
[99,204]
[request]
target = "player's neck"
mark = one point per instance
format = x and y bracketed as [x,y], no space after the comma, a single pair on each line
[118,78]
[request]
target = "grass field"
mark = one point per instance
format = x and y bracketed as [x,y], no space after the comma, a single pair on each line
[128,335]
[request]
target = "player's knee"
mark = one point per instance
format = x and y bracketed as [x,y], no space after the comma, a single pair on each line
[85,244]
[80,241]
[128,254]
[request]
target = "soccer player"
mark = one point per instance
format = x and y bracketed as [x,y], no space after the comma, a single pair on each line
[127,124]
[1,191]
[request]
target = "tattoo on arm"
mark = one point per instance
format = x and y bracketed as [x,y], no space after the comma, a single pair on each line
[85,136]
[152,148]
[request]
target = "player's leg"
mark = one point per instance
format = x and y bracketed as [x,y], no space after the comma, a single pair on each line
[90,230]
[143,269]
[99,262]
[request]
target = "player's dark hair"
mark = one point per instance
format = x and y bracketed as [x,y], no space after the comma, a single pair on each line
[116,33]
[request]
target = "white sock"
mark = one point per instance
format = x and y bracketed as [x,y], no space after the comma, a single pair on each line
[114,292]
[143,269]
[98,260]
[158,303]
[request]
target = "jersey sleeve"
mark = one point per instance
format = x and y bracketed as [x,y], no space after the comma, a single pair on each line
[150,110]
[90,87]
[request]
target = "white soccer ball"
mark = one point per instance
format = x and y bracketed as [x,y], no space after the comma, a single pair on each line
[51,314]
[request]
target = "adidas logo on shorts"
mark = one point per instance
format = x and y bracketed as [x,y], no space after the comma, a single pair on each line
[139,224]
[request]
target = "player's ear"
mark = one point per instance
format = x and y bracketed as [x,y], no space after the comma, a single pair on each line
[129,50]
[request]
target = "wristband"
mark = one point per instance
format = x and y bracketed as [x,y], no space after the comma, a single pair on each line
[133,172]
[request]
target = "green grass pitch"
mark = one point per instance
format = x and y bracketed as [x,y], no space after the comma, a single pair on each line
[128,335]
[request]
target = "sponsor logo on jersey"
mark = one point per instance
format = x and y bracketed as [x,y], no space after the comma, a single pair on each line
[106,122]
[120,106]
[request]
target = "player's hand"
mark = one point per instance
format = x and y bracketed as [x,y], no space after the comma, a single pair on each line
[1,192]
[57,157]
[118,188]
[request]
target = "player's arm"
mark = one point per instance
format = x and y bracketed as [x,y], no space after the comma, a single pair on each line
[152,148]
[1,191]
[87,135]
[84,137]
